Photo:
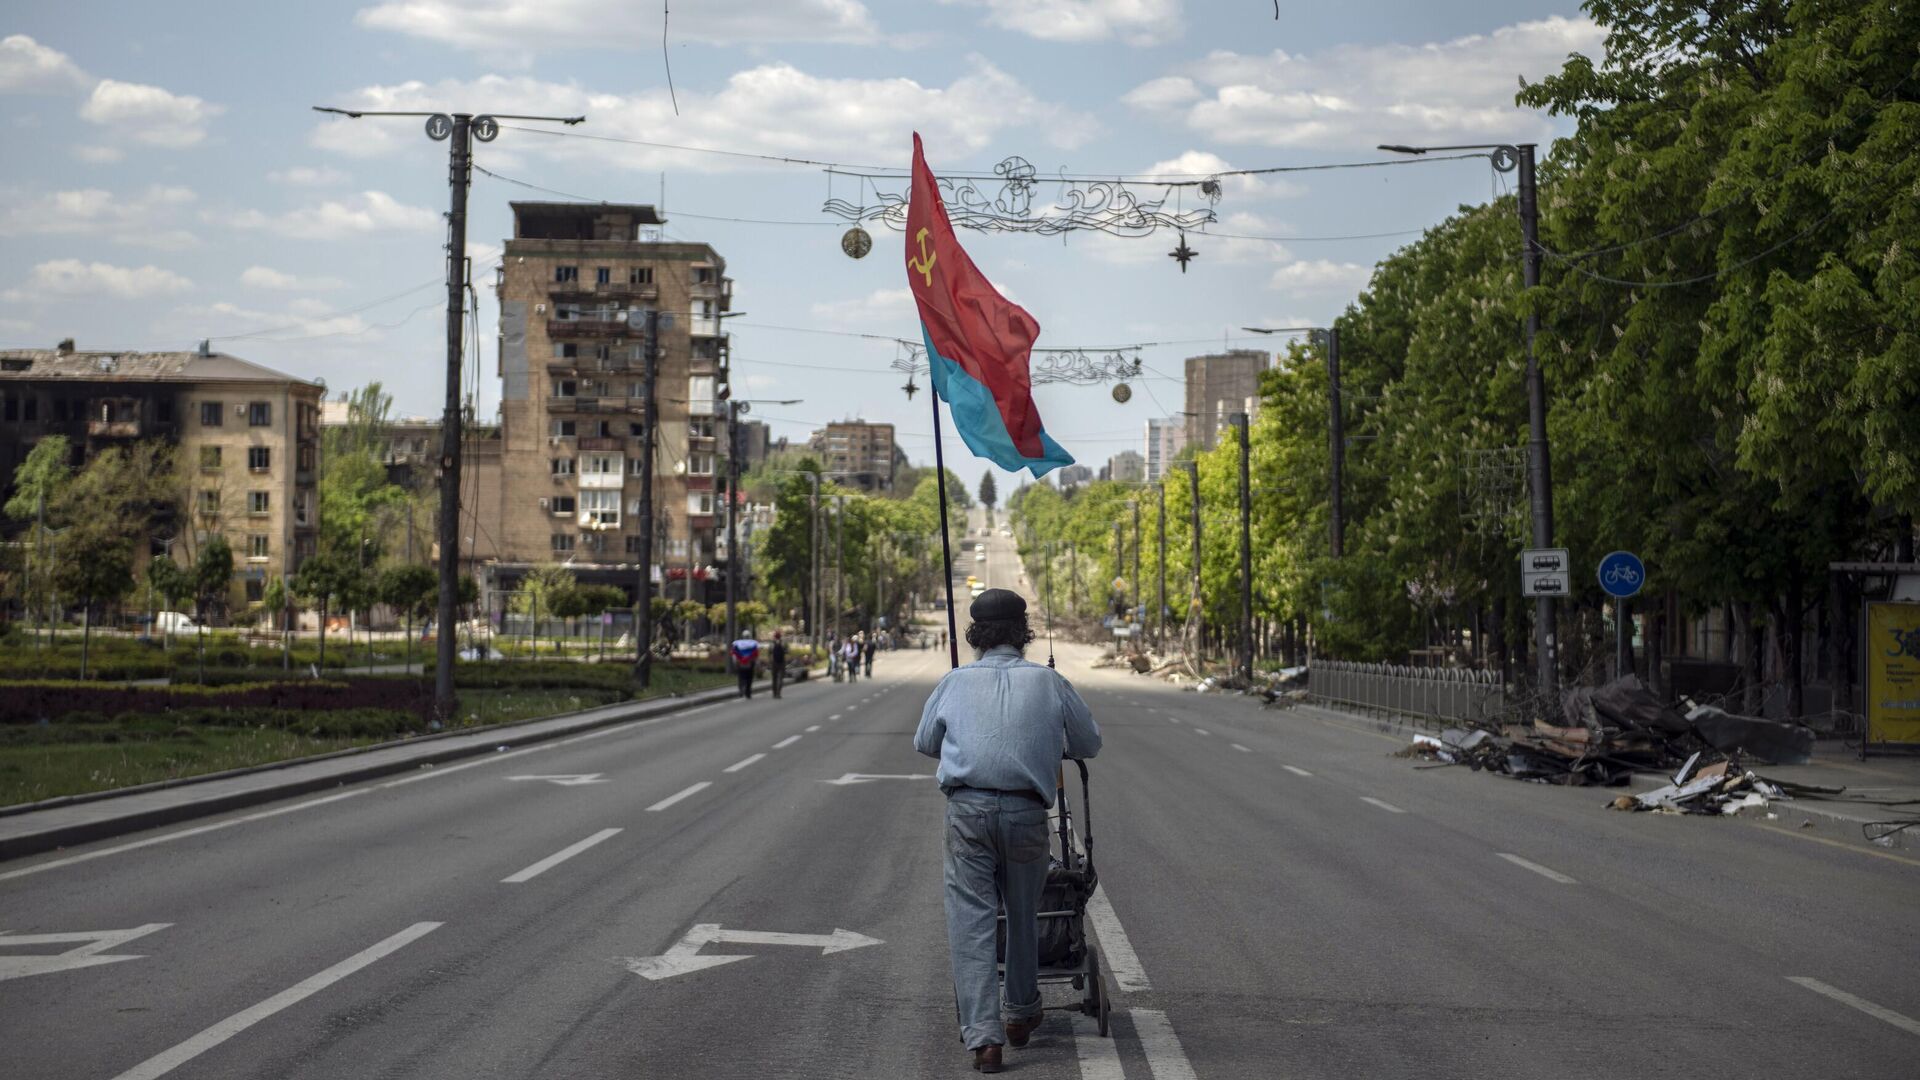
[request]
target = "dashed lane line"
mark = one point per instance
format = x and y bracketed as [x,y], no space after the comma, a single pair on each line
[742,763]
[1905,1023]
[1526,864]
[559,857]
[168,1060]
[678,795]
[1296,770]
[813,728]
[786,742]
[1382,804]
[1200,731]
[1240,748]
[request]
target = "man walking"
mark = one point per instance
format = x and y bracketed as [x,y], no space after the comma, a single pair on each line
[745,652]
[1000,727]
[850,659]
[777,661]
[873,646]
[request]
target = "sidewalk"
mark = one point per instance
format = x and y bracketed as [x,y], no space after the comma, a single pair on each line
[1873,787]
[64,822]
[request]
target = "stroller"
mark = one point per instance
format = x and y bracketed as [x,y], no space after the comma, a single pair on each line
[1065,953]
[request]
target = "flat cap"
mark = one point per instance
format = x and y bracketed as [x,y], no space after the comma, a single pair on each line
[997,604]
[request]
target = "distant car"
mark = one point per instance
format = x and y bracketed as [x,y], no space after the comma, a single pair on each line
[977,590]
[979,556]
[173,622]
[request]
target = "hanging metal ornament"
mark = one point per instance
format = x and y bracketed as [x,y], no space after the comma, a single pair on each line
[1122,393]
[856,243]
[910,388]
[1183,254]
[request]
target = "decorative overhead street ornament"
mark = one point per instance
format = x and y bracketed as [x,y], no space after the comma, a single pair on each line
[1117,207]
[1079,367]
[910,388]
[1183,254]
[856,243]
[1122,393]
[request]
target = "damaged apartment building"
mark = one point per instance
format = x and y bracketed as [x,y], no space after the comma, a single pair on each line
[575,285]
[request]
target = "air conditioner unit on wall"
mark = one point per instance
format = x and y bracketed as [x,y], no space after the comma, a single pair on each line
[544,503]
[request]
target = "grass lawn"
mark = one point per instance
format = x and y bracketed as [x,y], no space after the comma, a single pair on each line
[41,762]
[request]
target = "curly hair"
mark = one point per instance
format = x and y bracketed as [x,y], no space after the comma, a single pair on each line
[984,634]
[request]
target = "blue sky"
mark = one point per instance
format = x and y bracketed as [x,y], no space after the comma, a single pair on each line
[165,181]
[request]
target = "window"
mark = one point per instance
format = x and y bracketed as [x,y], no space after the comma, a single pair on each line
[603,353]
[699,463]
[564,274]
[259,458]
[566,312]
[700,427]
[566,351]
[700,391]
[303,507]
[562,505]
[256,590]
[162,411]
[633,545]
[600,507]
[212,414]
[600,464]
[563,541]
[31,412]
[603,275]
[257,547]
[259,413]
[11,410]
[603,429]
[634,464]
[210,502]
[564,388]
[640,275]
[210,459]
[703,275]
[561,429]
[562,466]
[306,457]
[257,502]
[594,542]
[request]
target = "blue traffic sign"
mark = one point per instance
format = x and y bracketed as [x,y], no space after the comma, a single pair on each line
[1621,574]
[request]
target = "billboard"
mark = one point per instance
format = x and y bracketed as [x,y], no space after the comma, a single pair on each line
[1892,648]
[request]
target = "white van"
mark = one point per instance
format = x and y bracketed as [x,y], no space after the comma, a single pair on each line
[174,622]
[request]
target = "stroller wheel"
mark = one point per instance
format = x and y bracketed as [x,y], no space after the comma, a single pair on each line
[1079,982]
[1097,1004]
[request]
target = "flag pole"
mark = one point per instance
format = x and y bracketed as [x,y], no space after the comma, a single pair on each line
[946,544]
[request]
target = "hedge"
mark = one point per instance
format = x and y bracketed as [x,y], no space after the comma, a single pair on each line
[25,702]
[89,727]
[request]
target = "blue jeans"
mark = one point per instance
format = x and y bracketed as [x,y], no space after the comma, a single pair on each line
[996,855]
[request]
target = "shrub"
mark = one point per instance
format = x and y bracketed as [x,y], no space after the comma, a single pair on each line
[32,701]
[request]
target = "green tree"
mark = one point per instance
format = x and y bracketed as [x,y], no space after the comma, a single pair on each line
[96,567]
[988,494]
[41,477]
[326,577]
[410,589]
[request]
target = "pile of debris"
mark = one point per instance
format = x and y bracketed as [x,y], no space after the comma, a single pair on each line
[1719,788]
[1612,731]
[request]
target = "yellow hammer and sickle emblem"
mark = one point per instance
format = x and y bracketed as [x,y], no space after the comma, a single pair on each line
[924,263]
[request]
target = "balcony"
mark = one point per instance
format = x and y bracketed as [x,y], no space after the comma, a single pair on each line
[602,444]
[113,429]
[588,327]
[612,481]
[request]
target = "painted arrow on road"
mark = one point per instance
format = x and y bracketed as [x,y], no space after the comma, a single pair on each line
[685,956]
[87,955]
[861,778]
[573,780]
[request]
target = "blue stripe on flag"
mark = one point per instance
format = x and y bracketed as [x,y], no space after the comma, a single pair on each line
[978,419]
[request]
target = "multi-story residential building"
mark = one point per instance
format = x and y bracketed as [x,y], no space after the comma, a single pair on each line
[1127,466]
[1165,439]
[1219,385]
[1071,475]
[857,453]
[576,283]
[247,441]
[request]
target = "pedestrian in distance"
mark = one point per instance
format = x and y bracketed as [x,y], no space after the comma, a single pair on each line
[850,659]
[872,647]
[777,662]
[1000,727]
[745,651]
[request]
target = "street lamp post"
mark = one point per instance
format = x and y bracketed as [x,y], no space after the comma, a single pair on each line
[1196,605]
[736,406]
[1246,552]
[1160,526]
[1507,157]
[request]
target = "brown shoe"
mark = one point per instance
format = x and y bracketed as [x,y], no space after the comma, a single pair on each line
[987,1059]
[1019,1030]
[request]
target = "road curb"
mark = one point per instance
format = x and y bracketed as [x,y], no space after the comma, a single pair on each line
[81,832]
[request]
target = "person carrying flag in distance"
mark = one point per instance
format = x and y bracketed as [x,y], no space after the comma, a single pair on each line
[745,652]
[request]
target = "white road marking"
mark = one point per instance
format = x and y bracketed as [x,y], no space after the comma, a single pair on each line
[1240,748]
[168,1060]
[1200,731]
[861,778]
[1296,770]
[853,708]
[567,779]
[742,763]
[677,796]
[93,943]
[684,955]
[428,772]
[559,857]
[835,716]
[1550,875]
[1172,719]
[1387,806]
[1115,949]
[788,741]
[181,835]
[815,727]
[1905,1023]
[1165,1056]
[1099,1057]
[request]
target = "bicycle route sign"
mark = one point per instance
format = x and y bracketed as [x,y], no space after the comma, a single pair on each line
[1621,574]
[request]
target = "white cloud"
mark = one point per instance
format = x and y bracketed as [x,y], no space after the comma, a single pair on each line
[1200,164]
[879,308]
[98,155]
[1353,96]
[149,114]
[145,219]
[1309,275]
[28,67]
[370,211]
[1136,22]
[772,109]
[301,319]
[503,27]
[309,176]
[71,277]
[263,277]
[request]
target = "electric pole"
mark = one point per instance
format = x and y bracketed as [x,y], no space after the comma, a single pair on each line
[1196,605]
[1160,526]
[1139,587]
[643,590]
[1246,552]
[734,409]
[460,129]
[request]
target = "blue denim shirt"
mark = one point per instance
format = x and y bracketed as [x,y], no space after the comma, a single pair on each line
[1003,723]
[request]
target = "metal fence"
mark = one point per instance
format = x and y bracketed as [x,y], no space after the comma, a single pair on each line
[1462,695]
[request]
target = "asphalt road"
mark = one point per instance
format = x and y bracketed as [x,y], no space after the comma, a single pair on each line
[1282,897]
